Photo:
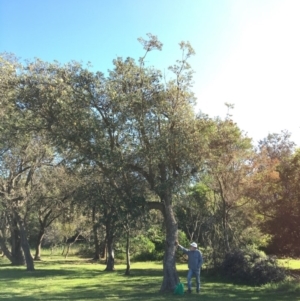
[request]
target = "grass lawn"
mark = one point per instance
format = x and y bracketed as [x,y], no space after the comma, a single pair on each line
[291,264]
[57,279]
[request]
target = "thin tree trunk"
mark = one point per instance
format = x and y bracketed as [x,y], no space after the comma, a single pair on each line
[3,237]
[25,244]
[37,255]
[96,239]
[65,244]
[224,217]
[5,249]
[96,242]
[44,223]
[103,250]
[225,230]
[70,244]
[127,272]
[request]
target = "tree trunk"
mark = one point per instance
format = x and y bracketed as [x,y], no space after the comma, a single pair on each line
[5,249]
[70,244]
[64,247]
[103,250]
[96,239]
[127,272]
[68,249]
[96,242]
[225,229]
[170,277]
[17,256]
[25,244]
[37,255]
[224,217]
[4,232]
[110,264]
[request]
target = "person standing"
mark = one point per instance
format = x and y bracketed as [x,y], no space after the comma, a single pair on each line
[195,261]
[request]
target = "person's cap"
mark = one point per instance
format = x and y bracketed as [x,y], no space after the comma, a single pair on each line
[193,244]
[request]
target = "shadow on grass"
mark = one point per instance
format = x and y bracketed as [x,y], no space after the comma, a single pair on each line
[6,265]
[146,292]
[17,274]
[88,283]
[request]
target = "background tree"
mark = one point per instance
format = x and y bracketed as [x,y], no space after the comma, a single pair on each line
[20,166]
[53,198]
[229,166]
[277,192]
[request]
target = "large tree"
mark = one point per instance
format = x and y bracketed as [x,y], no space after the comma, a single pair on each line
[230,165]
[20,180]
[52,198]
[134,122]
[277,192]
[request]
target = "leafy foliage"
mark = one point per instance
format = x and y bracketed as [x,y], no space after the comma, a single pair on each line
[252,266]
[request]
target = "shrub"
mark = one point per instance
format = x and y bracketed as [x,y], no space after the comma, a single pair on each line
[148,256]
[251,266]
[85,250]
[142,248]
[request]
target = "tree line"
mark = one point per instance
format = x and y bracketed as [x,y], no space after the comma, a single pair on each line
[94,155]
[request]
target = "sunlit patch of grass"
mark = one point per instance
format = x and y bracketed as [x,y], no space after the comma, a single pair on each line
[289,263]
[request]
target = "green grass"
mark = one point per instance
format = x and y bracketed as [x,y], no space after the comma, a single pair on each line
[57,279]
[292,264]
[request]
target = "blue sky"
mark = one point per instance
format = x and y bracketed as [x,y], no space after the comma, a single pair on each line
[247,51]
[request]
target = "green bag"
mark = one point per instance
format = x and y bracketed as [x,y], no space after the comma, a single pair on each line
[179,289]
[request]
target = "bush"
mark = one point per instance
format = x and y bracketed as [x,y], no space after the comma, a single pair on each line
[251,266]
[85,250]
[149,256]
[120,255]
[142,248]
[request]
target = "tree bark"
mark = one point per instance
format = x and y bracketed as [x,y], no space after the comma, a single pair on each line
[5,249]
[103,250]
[25,244]
[96,239]
[110,264]
[170,277]
[17,256]
[225,227]
[127,272]
[40,237]
[224,217]
[96,242]
[70,244]
[64,247]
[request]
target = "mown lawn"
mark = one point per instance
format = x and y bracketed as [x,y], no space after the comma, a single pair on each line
[290,263]
[57,279]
